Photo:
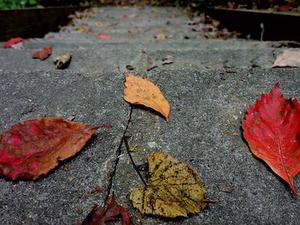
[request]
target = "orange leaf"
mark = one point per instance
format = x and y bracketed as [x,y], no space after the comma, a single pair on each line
[272,130]
[143,92]
[34,147]
[110,211]
[43,54]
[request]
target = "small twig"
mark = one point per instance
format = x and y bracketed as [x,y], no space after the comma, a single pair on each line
[102,126]
[209,201]
[131,159]
[262,26]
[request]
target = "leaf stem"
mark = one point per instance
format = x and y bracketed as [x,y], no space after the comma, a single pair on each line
[209,201]
[131,159]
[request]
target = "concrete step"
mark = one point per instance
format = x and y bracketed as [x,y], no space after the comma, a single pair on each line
[65,196]
[86,40]
[209,85]
[107,58]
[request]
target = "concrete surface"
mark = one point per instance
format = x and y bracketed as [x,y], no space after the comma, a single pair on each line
[204,130]
[65,195]
[209,86]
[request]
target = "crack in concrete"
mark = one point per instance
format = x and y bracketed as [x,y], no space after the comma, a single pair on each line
[118,153]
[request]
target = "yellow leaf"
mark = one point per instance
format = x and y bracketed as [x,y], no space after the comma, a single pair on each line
[173,189]
[143,92]
[80,30]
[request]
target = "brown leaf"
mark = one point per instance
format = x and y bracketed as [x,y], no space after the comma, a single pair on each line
[34,147]
[288,59]
[43,54]
[110,211]
[143,92]
[160,35]
[63,61]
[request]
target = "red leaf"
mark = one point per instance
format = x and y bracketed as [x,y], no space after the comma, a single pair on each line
[43,54]
[12,42]
[110,211]
[231,5]
[34,147]
[286,7]
[272,130]
[104,36]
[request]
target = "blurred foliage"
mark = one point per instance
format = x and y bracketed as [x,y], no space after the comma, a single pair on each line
[14,4]
[19,4]
[261,4]
[61,2]
[193,4]
[197,4]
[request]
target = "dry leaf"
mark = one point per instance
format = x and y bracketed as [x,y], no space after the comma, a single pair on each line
[63,61]
[173,189]
[13,41]
[109,212]
[272,130]
[34,147]
[80,30]
[104,36]
[43,54]
[143,92]
[160,36]
[288,59]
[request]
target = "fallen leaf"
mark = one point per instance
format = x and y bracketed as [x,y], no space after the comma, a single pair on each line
[285,7]
[173,189]
[104,36]
[63,61]
[231,5]
[141,91]
[110,211]
[160,36]
[13,41]
[43,54]
[34,147]
[272,130]
[288,59]
[215,23]
[80,30]
[79,15]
